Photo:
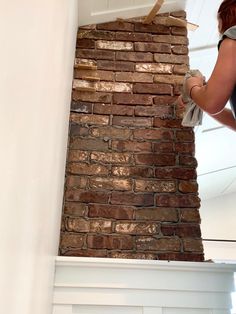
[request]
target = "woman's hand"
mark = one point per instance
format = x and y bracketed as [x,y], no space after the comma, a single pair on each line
[194,80]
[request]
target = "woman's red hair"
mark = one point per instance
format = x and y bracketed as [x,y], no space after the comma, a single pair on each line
[227,14]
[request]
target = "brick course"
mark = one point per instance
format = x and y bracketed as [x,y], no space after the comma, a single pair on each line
[130,188]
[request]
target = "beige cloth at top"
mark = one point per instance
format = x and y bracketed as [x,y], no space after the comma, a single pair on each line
[193,114]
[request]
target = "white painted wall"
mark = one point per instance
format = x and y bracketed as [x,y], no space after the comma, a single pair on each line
[36,62]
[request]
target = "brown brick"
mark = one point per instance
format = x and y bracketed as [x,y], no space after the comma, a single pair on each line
[89,119]
[192,245]
[188,187]
[133,172]
[162,112]
[169,79]
[120,98]
[155,186]
[157,213]
[152,89]
[137,228]
[134,56]
[155,159]
[153,134]
[132,121]
[163,244]
[114,45]
[188,257]
[88,144]
[87,196]
[187,161]
[86,169]
[181,230]
[152,28]
[132,255]
[111,211]
[91,97]
[111,132]
[180,50]
[100,226]
[171,59]
[110,184]
[71,240]
[88,27]
[154,67]
[167,123]
[78,130]
[164,100]
[131,146]
[81,107]
[120,110]
[118,158]
[114,87]
[84,43]
[116,26]
[163,147]
[96,34]
[180,69]
[177,201]
[182,31]
[115,65]
[95,54]
[77,155]
[178,40]
[76,181]
[153,47]
[189,215]
[76,224]
[132,36]
[134,77]
[185,136]
[176,173]
[85,253]
[75,209]
[102,75]
[123,242]
[119,198]
[180,13]
[185,147]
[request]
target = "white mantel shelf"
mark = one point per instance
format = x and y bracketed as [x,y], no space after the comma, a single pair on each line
[120,286]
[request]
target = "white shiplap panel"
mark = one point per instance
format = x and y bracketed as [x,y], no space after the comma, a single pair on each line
[186,311]
[62,309]
[120,4]
[99,5]
[144,2]
[96,309]
[152,310]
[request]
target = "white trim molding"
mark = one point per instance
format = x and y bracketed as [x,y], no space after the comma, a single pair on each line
[119,286]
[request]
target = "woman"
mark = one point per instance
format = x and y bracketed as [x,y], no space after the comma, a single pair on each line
[221,86]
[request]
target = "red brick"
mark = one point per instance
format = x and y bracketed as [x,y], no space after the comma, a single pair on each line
[163,147]
[153,47]
[153,89]
[111,132]
[110,184]
[192,245]
[171,59]
[167,123]
[76,181]
[179,31]
[110,242]
[102,75]
[88,144]
[164,244]
[100,226]
[85,253]
[152,28]
[131,146]
[91,97]
[116,26]
[137,228]
[111,157]
[96,34]
[134,56]
[75,209]
[115,65]
[153,134]
[71,240]
[185,147]
[180,50]
[189,215]
[84,43]
[119,198]
[87,169]
[78,130]
[77,155]
[185,136]
[95,54]
[176,173]
[188,257]
[89,119]
[188,187]
[177,201]
[163,214]
[134,77]
[87,196]
[76,224]
[122,98]
[180,69]
[132,121]
[187,161]
[133,172]
[111,211]
[132,36]
[160,186]
[154,111]
[120,110]
[155,159]
[181,230]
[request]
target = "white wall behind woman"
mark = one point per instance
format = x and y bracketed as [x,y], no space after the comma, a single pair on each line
[36,63]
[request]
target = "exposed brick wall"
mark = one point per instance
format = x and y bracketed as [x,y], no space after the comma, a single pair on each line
[131,189]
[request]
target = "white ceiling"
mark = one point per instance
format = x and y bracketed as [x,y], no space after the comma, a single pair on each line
[215,145]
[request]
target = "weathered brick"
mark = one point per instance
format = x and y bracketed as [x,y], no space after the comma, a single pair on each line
[111,211]
[96,34]
[132,99]
[119,198]
[76,224]
[177,40]
[87,169]
[132,121]
[102,75]
[71,240]
[133,172]
[155,186]
[133,36]
[188,187]
[163,147]
[115,65]
[185,136]
[85,253]
[167,123]
[78,130]
[154,67]
[81,107]
[121,242]
[88,144]
[115,45]
[75,209]
[87,196]
[91,97]
[95,54]
[120,110]
[188,257]
[163,244]
[116,26]
[77,155]
[153,47]
[155,159]
[100,226]
[182,31]
[180,13]
[111,132]
[153,89]
[169,79]
[84,43]
[118,158]
[176,201]
[180,69]
[180,50]
[157,213]
[111,184]
[192,245]
[131,146]
[181,230]
[88,26]
[134,77]
[187,161]
[134,56]
[89,119]
[137,228]
[153,134]
[76,181]
[171,59]
[189,215]
[152,28]
[176,173]
[185,147]
[132,255]
[114,87]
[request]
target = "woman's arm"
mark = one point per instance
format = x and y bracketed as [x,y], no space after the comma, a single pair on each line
[226,118]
